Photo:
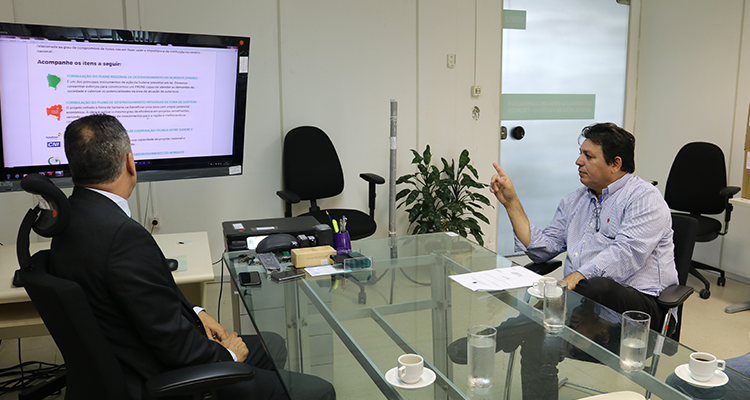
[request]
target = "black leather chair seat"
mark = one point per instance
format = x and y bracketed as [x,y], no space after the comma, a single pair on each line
[708,228]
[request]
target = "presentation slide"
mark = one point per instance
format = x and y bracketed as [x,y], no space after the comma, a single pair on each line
[164,96]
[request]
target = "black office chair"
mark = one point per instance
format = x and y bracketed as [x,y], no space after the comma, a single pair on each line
[311,170]
[697,185]
[92,370]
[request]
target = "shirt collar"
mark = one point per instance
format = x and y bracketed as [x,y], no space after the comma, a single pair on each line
[613,187]
[122,203]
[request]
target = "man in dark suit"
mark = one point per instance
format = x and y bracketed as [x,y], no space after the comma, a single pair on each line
[149,323]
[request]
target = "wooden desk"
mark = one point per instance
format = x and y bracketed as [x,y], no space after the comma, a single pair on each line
[18,317]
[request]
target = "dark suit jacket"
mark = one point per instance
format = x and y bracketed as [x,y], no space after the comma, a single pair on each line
[149,323]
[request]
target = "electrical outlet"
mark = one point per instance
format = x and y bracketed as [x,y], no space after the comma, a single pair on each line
[476,91]
[451,60]
[154,223]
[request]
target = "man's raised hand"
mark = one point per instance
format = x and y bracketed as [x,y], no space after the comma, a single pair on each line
[501,186]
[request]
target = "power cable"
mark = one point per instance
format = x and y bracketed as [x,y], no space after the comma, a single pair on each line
[221,290]
[19,377]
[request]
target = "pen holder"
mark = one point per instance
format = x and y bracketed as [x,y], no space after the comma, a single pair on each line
[342,243]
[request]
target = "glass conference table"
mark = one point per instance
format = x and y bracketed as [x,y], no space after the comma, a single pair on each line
[350,328]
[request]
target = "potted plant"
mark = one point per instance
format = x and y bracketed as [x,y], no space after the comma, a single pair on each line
[443,200]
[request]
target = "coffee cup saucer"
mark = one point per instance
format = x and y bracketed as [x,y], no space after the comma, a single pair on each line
[534,292]
[719,378]
[428,377]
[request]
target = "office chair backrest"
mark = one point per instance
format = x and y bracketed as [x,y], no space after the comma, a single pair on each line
[685,231]
[92,370]
[311,167]
[697,176]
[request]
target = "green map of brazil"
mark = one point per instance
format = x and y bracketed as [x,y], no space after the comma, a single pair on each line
[53,80]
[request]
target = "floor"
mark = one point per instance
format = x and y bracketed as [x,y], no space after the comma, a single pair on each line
[705,328]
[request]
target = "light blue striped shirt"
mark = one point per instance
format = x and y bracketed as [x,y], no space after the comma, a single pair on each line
[626,236]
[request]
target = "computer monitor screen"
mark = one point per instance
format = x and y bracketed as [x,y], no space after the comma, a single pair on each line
[181,97]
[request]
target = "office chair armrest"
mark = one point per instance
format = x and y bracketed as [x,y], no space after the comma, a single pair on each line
[288,196]
[729,191]
[674,295]
[199,379]
[544,268]
[372,178]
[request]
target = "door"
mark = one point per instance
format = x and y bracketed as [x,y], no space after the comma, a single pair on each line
[564,65]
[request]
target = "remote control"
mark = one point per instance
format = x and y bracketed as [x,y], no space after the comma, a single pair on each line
[269,261]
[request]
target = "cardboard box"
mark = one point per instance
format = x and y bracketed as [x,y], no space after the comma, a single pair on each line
[746,173]
[312,256]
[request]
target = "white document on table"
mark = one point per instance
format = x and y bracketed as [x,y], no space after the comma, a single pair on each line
[327,270]
[497,279]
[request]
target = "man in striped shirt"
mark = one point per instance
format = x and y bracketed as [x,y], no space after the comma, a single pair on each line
[617,229]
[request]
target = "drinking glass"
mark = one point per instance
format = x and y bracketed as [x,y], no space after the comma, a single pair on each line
[555,295]
[481,356]
[634,340]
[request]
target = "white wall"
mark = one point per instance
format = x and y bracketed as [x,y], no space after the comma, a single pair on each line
[444,95]
[335,64]
[689,87]
[736,252]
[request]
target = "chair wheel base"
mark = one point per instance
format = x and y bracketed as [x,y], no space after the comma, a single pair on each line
[721,281]
[705,293]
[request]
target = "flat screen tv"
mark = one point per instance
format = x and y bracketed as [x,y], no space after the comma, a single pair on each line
[180,96]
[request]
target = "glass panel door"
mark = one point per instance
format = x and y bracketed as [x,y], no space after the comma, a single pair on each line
[564,64]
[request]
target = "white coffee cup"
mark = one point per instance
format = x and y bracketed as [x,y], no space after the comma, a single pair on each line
[539,285]
[410,368]
[702,366]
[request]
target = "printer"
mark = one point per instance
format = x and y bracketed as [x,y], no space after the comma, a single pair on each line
[236,233]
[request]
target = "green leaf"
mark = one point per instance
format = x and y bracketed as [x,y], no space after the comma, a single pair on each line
[413,195]
[466,180]
[473,171]
[481,198]
[405,179]
[455,208]
[448,168]
[478,237]
[414,213]
[472,224]
[434,175]
[402,194]
[426,155]
[481,217]
[417,158]
[464,159]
